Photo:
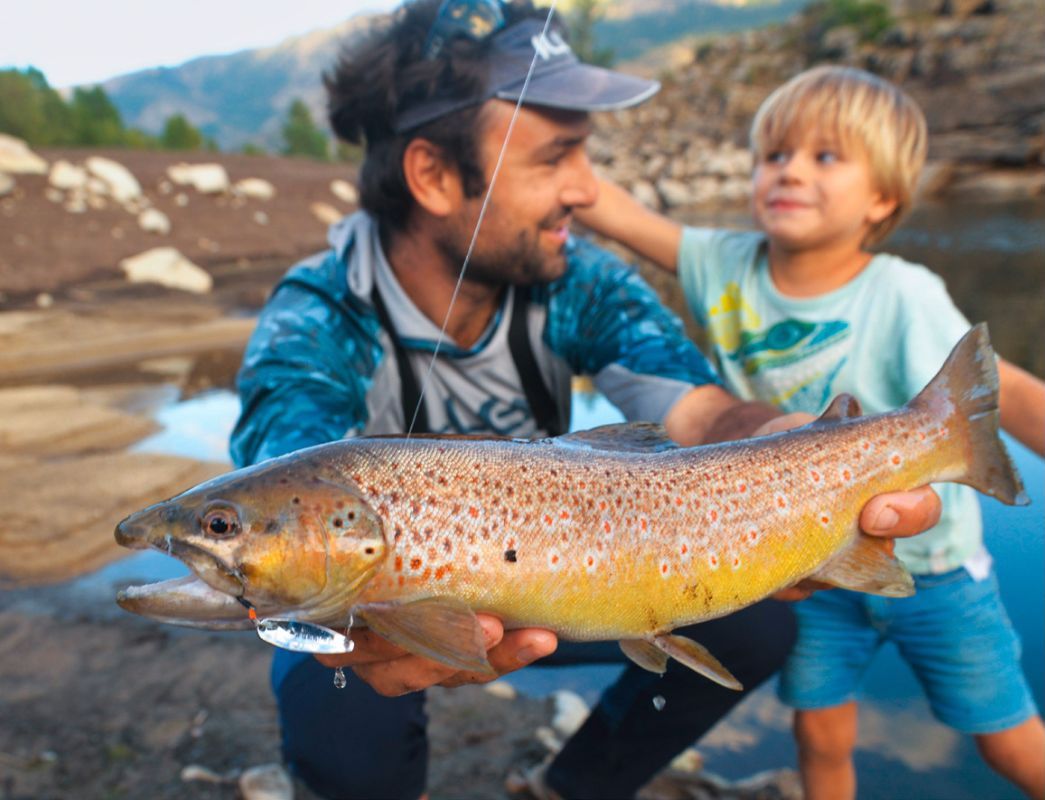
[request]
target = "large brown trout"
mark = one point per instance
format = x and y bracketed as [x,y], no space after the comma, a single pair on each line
[612,533]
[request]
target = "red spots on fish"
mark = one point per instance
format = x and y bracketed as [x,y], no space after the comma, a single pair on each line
[896,460]
[742,487]
[415,508]
[603,505]
[426,574]
[548,519]
[554,560]
[606,527]
[678,501]
[473,512]
[665,568]
[736,562]
[401,581]
[846,474]
[713,561]
[582,485]
[825,519]
[815,476]
[399,563]
[415,563]
[752,535]
[442,571]
[590,562]
[564,514]
[713,516]
[448,545]
[473,560]
[780,502]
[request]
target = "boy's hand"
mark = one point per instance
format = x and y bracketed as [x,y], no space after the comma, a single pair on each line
[392,671]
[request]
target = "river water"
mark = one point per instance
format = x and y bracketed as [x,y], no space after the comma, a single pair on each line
[992,260]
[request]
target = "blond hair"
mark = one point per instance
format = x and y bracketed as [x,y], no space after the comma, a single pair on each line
[863,110]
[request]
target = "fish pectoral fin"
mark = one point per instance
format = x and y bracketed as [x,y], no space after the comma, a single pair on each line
[697,658]
[646,654]
[439,628]
[868,565]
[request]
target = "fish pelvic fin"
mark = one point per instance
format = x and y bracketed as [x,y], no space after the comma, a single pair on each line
[646,654]
[964,394]
[868,565]
[653,653]
[440,628]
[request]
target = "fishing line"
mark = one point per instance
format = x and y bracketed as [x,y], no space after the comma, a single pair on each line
[478,224]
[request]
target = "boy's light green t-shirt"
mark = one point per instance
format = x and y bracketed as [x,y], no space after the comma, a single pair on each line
[881,337]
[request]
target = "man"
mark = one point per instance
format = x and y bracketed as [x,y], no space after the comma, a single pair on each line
[345,347]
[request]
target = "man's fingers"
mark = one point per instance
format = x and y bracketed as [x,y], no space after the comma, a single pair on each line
[516,650]
[369,648]
[901,514]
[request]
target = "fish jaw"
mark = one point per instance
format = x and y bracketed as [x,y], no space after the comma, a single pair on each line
[186,601]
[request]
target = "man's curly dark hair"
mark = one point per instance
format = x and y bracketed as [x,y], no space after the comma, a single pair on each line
[383,73]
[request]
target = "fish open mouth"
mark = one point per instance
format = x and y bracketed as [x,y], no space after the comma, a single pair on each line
[206,599]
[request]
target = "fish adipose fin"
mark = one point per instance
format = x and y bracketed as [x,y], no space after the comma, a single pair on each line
[868,565]
[844,406]
[439,628]
[631,437]
[964,394]
[652,654]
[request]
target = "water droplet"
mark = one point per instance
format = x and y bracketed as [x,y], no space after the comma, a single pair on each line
[340,681]
[659,702]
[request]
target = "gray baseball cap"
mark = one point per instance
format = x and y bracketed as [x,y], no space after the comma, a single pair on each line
[559,80]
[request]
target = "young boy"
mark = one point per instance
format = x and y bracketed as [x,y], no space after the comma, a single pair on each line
[800,311]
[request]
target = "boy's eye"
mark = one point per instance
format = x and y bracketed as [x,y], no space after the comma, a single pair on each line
[827,157]
[776,157]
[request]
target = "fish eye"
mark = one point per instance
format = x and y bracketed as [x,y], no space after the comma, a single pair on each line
[220,522]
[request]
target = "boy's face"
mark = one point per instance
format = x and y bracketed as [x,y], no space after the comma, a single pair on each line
[815,193]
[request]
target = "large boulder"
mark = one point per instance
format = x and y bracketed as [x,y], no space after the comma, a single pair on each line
[17,158]
[65,175]
[7,184]
[255,189]
[121,184]
[167,267]
[205,178]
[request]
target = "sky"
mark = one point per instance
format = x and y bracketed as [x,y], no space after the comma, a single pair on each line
[75,42]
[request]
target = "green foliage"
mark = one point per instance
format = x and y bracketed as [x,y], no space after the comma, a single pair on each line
[301,137]
[581,19]
[30,109]
[180,134]
[349,153]
[95,120]
[251,149]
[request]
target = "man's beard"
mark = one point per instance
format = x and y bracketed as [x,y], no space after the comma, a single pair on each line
[520,263]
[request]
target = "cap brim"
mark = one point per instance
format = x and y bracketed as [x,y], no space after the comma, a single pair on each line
[581,87]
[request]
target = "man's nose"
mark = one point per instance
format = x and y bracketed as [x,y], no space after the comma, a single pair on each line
[580,187]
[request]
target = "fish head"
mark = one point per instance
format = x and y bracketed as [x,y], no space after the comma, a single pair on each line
[289,536]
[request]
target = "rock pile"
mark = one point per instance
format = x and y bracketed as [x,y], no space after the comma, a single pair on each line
[978,76]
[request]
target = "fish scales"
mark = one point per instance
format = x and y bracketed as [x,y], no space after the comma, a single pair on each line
[598,545]
[613,533]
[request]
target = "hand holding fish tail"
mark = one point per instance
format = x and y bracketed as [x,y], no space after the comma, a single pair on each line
[392,671]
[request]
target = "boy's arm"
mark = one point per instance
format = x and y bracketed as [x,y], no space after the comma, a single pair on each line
[619,216]
[1022,406]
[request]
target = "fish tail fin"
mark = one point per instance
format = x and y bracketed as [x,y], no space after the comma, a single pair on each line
[964,396]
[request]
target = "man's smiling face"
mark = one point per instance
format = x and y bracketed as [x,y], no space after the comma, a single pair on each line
[545,173]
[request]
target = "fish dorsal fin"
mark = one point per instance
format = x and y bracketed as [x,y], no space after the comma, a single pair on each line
[632,437]
[844,406]
[697,658]
[867,565]
[439,628]
[646,654]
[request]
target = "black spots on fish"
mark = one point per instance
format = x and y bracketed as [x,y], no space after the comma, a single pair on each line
[338,522]
[398,532]
[284,481]
[510,556]
[296,501]
[369,551]
[447,544]
[272,526]
[351,516]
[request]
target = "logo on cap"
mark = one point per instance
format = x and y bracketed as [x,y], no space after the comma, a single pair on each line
[548,45]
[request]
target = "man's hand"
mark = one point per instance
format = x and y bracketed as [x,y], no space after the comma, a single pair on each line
[392,671]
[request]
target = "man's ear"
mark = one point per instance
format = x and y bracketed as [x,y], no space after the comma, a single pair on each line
[434,183]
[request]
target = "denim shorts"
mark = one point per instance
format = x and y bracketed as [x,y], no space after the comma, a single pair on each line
[954,633]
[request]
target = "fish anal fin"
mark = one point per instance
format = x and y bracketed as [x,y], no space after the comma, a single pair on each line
[632,437]
[844,406]
[868,565]
[646,654]
[697,658]
[439,628]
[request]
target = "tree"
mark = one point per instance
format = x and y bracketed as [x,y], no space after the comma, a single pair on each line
[180,134]
[30,109]
[96,121]
[581,19]
[301,137]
